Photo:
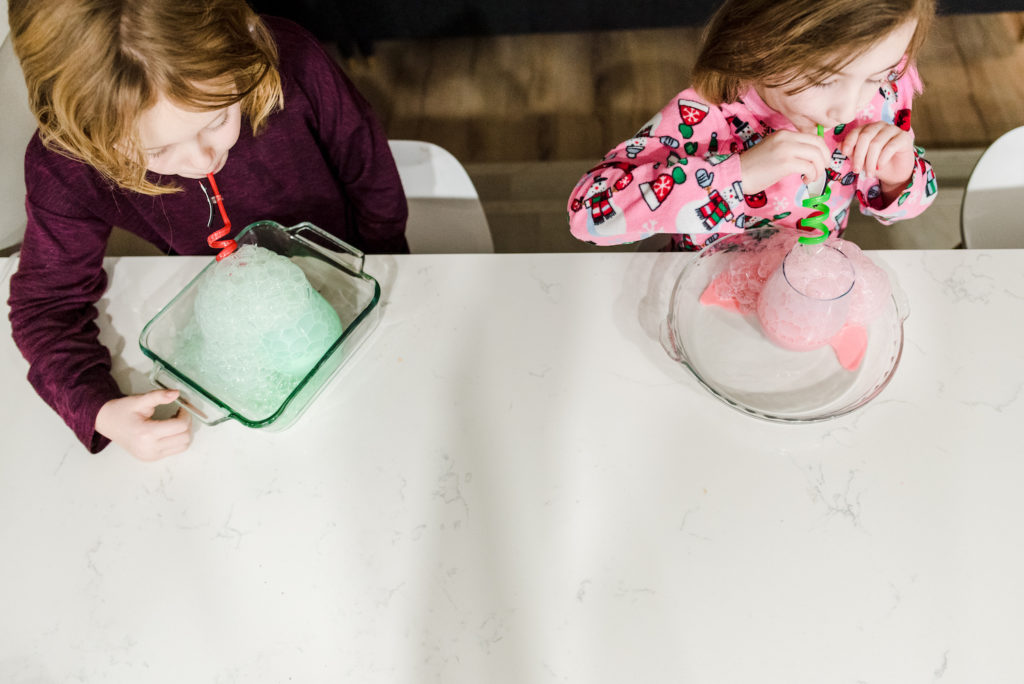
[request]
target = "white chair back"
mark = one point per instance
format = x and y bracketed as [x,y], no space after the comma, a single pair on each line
[445,214]
[990,216]
[15,131]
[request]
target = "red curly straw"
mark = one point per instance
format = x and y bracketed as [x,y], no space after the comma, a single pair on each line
[214,240]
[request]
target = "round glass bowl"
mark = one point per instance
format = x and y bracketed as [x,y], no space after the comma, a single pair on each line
[724,345]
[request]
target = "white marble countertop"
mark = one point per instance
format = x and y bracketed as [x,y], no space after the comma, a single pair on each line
[513,482]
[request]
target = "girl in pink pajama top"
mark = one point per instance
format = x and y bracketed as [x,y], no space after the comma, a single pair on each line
[741,148]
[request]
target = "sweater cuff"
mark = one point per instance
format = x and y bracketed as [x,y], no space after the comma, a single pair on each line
[94,393]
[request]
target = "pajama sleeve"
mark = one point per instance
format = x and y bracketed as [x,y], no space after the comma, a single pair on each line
[921,189]
[679,174]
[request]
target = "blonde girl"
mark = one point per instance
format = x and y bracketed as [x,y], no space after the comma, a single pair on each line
[138,103]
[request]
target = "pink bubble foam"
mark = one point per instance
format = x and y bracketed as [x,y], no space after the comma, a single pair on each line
[812,302]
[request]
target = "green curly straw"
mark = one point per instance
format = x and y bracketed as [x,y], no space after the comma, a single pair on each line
[819,204]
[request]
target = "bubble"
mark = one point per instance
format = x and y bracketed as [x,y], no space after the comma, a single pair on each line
[801,316]
[871,290]
[258,328]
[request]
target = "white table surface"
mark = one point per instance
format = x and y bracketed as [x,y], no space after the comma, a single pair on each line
[514,483]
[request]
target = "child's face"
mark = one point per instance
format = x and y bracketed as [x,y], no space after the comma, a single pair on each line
[838,99]
[188,143]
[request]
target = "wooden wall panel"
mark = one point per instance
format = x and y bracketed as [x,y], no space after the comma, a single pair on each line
[571,96]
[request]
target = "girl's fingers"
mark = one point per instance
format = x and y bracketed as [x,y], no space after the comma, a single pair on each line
[809,175]
[174,445]
[811,170]
[871,157]
[870,147]
[826,152]
[147,403]
[860,153]
[783,153]
[807,145]
[886,156]
[184,416]
[857,145]
[821,155]
[170,427]
[881,143]
[850,142]
[812,147]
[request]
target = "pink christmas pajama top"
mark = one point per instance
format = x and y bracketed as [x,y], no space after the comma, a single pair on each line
[681,174]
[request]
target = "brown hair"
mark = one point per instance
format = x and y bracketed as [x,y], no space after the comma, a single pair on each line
[92,67]
[795,43]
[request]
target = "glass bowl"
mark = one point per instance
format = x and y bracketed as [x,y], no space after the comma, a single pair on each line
[729,352]
[333,268]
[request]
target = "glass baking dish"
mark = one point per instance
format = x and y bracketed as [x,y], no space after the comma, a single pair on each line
[333,268]
[731,355]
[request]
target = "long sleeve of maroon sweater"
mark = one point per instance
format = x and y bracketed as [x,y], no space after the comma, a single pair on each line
[324,158]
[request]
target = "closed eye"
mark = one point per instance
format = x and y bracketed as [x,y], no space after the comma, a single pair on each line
[219,124]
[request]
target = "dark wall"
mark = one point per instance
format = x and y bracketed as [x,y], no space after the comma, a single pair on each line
[351,22]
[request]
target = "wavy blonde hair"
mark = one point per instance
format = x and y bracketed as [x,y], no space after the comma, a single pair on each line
[92,68]
[796,43]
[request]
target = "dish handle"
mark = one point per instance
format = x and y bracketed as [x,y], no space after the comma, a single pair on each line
[330,247]
[194,402]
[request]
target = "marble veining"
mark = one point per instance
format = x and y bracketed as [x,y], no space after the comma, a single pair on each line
[515,483]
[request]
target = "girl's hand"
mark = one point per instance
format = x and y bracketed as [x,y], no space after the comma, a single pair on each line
[781,154]
[883,151]
[128,421]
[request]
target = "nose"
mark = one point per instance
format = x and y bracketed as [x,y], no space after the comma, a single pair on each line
[844,107]
[203,155]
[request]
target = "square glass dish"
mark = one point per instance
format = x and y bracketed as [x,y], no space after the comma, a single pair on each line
[333,268]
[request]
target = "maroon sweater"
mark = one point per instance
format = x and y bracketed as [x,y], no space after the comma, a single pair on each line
[324,158]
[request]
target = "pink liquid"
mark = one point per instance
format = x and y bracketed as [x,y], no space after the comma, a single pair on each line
[805,303]
[810,302]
